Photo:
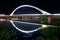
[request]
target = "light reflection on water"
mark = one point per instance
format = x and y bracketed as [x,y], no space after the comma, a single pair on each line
[26,27]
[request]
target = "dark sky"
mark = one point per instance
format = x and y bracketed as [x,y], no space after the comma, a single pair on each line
[52,6]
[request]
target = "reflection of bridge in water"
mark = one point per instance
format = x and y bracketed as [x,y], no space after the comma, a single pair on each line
[28,17]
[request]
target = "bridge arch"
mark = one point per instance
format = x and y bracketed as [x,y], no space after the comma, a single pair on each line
[43,12]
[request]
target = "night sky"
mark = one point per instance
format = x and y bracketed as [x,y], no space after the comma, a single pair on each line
[7,6]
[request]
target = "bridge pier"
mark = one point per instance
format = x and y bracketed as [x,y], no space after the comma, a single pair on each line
[49,19]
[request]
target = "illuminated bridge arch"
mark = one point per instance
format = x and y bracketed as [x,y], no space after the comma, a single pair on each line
[43,12]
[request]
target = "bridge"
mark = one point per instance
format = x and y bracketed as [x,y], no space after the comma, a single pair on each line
[15,17]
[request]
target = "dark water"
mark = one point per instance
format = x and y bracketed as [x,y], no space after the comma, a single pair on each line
[26,27]
[22,26]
